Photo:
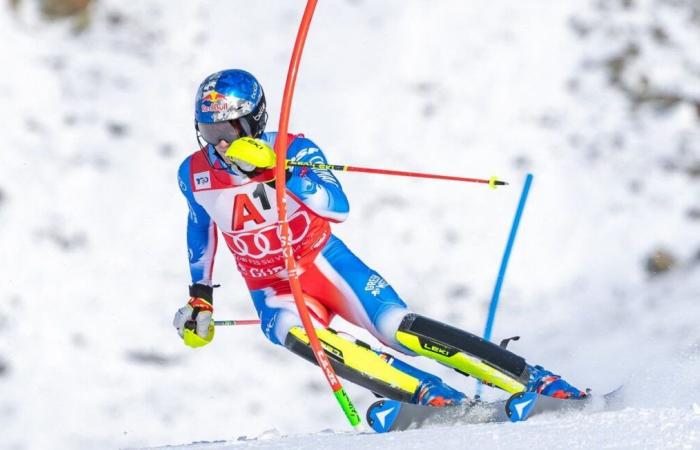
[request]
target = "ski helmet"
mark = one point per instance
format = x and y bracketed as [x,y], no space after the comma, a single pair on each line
[230,104]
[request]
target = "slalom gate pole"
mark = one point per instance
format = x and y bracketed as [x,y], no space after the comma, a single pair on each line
[492,182]
[287,251]
[504,264]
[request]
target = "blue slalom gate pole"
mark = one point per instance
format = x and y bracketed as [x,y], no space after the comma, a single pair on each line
[504,264]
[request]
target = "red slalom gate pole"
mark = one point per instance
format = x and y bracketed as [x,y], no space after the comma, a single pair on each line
[492,182]
[281,191]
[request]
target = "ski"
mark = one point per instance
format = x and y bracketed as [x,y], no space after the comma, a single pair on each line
[391,415]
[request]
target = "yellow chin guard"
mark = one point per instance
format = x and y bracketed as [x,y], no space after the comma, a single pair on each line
[252,151]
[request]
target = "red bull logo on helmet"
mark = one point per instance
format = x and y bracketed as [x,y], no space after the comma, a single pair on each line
[214,102]
[224,107]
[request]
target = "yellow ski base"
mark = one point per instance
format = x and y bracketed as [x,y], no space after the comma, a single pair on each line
[462,362]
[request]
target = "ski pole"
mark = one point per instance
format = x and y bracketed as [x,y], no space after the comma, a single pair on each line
[281,143]
[492,182]
[230,323]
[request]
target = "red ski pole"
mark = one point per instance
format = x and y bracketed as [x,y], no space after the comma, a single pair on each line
[492,182]
[230,323]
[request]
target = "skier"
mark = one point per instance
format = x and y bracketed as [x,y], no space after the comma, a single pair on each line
[229,184]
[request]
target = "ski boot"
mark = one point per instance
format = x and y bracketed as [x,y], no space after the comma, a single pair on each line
[544,382]
[434,392]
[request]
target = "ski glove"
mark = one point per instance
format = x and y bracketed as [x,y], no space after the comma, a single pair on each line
[194,321]
[250,154]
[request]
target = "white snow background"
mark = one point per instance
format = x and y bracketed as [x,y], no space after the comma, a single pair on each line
[598,99]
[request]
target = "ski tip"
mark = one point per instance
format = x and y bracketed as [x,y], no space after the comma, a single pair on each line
[519,405]
[615,398]
[381,415]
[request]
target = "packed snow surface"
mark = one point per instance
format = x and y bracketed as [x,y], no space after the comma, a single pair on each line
[631,428]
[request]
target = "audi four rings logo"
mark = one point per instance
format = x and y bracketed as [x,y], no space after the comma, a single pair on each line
[266,241]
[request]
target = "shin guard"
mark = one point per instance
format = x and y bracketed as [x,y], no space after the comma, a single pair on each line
[464,352]
[357,363]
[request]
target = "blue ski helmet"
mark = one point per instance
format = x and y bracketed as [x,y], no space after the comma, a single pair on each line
[230,104]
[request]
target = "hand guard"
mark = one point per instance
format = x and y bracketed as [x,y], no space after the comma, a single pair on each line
[194,321]
[249,154]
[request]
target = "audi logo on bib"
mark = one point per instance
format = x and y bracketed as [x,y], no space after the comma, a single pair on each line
[266,241]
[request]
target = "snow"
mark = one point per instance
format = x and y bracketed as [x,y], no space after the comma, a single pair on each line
[640,429]
[95,124]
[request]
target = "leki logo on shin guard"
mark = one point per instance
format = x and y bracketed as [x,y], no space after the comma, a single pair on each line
[436,347]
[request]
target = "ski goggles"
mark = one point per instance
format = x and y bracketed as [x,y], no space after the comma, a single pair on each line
[228,130]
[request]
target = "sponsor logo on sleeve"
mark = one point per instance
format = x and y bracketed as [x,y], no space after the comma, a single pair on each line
[375,284]
[202,180]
